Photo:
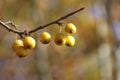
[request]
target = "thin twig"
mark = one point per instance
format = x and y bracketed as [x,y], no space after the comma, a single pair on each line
[12,24]
[9,29]
[116,46]
[3,24]
[57,21]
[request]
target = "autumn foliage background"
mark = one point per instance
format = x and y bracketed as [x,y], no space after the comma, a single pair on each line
[94,57]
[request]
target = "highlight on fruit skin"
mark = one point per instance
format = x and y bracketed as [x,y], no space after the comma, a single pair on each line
[45,38]
[70,28]
[60,39]
[70,41]
[21,52]
[16,44]
[29,42]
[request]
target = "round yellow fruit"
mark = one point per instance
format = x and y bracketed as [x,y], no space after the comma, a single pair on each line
[45,38]
[70,28]
[21,52]
[70,41]
[29,42]
[16,44]
[60,39]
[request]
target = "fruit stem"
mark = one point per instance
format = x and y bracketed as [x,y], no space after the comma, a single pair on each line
[60,31]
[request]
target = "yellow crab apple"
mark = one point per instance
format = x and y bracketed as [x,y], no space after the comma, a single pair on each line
[70,41]
[70,28]
[16,44]
[60,39]
[21,52]
[45,38]
[29,42]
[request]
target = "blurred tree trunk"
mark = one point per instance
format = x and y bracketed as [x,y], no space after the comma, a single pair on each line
[104,54]
[104,50]
[116,45]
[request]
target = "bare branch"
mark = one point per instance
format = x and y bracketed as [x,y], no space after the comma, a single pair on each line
[9,29]
[3,24]
[12,24]
[57,21]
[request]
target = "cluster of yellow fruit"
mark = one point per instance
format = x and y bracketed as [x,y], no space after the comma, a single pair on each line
[20,47]
[61,39]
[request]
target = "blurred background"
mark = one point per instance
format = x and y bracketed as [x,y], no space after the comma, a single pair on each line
[96,55]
